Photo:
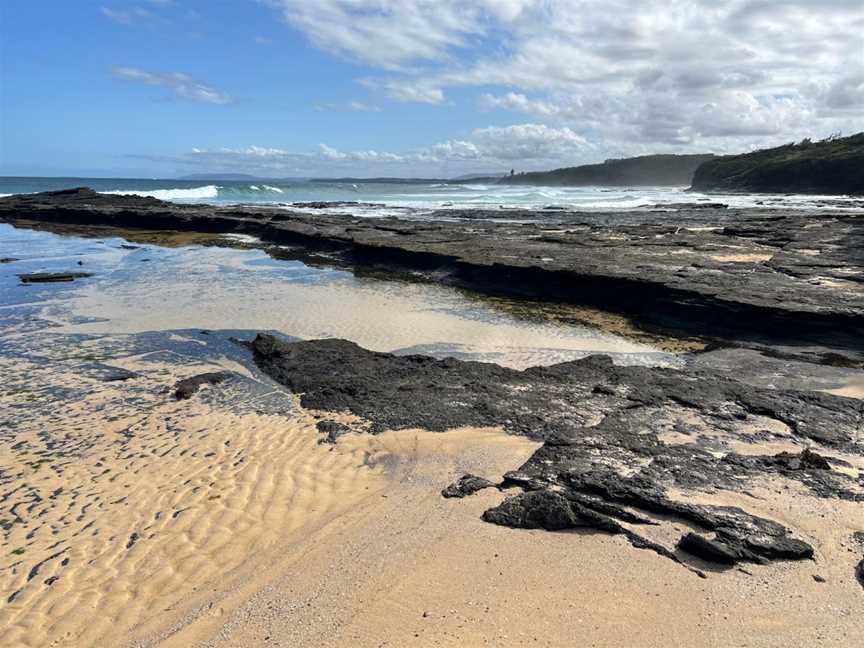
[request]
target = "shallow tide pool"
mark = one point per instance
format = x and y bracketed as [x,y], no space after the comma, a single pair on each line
[139,288]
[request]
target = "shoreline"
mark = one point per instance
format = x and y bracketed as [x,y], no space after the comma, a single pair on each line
[298,499]
[726,274]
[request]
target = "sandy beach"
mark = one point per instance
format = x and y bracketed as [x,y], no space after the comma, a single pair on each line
[242,515]
[197,524]
[222,521]
[208,522]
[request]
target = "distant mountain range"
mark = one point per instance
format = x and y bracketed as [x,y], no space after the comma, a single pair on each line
[832,166]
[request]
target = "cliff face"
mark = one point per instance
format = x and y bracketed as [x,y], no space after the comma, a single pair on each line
[648,170]
[829,167]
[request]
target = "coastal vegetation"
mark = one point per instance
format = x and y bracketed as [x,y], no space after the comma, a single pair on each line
[832,166]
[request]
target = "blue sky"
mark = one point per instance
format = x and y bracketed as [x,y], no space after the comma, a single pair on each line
[414,87]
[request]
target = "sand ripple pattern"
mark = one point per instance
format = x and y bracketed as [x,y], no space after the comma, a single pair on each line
[118,502]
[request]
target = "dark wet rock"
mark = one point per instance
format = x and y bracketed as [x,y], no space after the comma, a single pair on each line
[609,509]
[535,510]
[466,485]
[52,277]
[8,260]
[805,460]
[692,205]
[187,387]
[801,368]
[767,546]
[727,273]
[590,437]
[811,472]
[554,511]
[859,572]
[518,479]
[858,537]
[323,204]
[746,536]
[709,550]
[548,403]
[129,246]
[332,429]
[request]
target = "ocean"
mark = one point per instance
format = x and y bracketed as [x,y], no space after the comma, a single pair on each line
[414,197]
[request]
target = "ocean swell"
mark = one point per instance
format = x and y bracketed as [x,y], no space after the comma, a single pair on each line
[194,193]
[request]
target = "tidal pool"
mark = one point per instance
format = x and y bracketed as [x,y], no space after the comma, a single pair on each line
[137,288]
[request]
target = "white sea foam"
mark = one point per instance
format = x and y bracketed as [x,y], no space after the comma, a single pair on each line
[269,188]
[209,191]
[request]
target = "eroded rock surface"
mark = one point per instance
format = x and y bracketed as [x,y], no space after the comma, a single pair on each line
[52,277]
[188,387]
[466,485]
[616,439]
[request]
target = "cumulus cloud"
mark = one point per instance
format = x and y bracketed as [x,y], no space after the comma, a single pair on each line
[179,83]
[530,142]
[667,73]
[528,146]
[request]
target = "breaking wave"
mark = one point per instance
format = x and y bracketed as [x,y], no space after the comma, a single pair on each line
[194,193]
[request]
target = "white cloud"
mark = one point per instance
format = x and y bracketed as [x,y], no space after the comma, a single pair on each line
[529,146]
[124,16]
[530,142]
[416,92]
[520,103]
[181,84]
[360,106]
[350,106]
[383,33]
[668,73]
[454,150]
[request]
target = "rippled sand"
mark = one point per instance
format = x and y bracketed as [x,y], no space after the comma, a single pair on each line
[120,498]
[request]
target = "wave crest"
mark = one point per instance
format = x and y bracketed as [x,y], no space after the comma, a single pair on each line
[209,191]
